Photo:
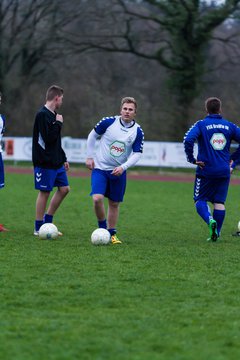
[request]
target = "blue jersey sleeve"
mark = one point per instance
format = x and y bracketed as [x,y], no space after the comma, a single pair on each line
[189,140]
[3,124]
[103,124]
[236,154]
[139,141]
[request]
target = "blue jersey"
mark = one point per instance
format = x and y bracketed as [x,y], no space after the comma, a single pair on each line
[214,136]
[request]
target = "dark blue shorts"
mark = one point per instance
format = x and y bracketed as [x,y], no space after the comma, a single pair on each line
[111,186]
[1,172]
[212,190]
[46,179]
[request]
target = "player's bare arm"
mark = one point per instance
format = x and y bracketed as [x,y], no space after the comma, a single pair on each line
[90,163]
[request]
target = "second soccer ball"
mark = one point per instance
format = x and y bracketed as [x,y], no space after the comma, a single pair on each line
[100,237]
[48,231]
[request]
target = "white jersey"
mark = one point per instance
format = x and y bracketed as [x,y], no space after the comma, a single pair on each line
[117,142]
[2,128]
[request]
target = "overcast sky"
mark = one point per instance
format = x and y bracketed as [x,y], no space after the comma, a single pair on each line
[216,1]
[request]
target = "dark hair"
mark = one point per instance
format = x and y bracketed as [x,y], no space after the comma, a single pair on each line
[53,91]
[213,105]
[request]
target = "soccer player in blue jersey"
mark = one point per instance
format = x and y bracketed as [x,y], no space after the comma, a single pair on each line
[49,159]
[120,146]
[2,129]
[213,135]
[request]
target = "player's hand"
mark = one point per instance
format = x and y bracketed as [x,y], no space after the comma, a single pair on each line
[117,171]
[66,165]
[231,169]
[90,163]
[59,118]
[201,164]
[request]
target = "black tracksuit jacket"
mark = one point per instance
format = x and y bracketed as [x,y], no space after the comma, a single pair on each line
[47,150]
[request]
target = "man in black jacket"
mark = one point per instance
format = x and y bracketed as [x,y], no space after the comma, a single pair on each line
[49,159]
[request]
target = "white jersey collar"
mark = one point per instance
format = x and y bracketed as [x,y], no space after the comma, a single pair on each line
[125,124]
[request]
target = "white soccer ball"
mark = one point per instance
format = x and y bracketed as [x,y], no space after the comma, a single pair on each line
[239,226]
[48,231]
[100,237]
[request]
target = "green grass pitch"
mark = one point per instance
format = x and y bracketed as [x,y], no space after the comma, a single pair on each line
[165,293]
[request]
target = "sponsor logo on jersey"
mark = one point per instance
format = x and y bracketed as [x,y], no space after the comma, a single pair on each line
[117,148]
[218,141]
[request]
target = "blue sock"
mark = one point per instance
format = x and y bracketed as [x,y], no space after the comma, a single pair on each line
[102,224]
[48,218]
[203,210]
[38,224]
[112,231]
[219,216]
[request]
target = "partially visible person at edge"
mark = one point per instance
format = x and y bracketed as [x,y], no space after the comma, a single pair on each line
[213,135]
[233,166]
[120,146]
[49,159]
[2,180]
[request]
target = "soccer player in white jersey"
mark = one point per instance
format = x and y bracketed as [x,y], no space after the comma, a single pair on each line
[120,146]
[2,183]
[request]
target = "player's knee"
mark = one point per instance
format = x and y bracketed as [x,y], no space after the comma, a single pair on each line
[113,204]
[65,190]
[97,198]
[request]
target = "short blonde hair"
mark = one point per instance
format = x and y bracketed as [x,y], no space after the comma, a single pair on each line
[129,100]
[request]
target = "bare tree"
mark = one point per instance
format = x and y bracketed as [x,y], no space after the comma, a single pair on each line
[32,54]
[29,36]
[176,34]
[100,48]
